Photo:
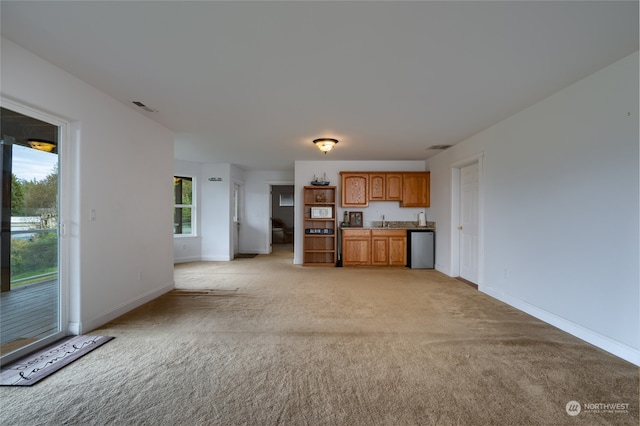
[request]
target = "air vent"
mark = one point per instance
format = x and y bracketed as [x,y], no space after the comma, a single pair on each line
[144,107]
[440,146]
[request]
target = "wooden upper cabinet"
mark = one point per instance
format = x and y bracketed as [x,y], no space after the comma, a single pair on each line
[393,187]
[411,189]
[385,186]
[415,189]
[355,189]
[377,186]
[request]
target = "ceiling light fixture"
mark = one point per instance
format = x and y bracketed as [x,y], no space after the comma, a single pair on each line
[325,144]
[42,145]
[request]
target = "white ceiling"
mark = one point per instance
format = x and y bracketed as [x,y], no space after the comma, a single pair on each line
[253,83]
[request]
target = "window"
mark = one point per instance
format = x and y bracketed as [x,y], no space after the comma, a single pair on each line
[286,199]
[183,205]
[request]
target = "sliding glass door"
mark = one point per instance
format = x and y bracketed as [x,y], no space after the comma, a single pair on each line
[30,287]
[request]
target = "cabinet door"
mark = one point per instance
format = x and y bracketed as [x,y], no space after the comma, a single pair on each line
[355,188]
[393,190]
[356,251]
[415,189]
[377,185]
[398,251]
[379,250]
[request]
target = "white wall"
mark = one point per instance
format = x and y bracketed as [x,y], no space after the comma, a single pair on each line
[560,188]
[215,207]
[119,163]
[305,171]
[212,239]
[214,210]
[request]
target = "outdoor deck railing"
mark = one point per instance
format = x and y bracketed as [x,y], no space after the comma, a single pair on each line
[46,277]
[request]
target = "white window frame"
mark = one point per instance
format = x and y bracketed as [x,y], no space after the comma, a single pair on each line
[192,206]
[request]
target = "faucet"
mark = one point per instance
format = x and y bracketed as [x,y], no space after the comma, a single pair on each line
[383,221]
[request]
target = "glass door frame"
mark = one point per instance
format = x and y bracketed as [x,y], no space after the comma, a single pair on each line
[63,240]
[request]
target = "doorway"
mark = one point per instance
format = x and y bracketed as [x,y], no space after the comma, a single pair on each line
[237,209]
[30,300]
[466,213]
[469,188]
[282,217]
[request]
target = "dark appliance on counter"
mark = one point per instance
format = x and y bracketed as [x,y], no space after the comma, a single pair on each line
[421,252]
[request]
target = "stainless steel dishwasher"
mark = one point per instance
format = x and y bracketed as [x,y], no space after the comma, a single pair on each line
[421,248]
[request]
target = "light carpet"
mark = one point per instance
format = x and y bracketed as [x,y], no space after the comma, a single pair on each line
[265,342]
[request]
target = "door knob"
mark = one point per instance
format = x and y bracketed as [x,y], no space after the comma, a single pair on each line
[460,228]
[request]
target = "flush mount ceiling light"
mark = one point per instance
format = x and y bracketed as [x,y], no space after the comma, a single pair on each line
[42,145]
[325,144]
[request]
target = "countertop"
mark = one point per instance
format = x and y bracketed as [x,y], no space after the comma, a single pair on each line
[431,226]
[407,228]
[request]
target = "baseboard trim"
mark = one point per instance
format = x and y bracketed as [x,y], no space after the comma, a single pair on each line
[603,342]
[186,259]
[215,258]
[467,282]
[256,250]
[86,326]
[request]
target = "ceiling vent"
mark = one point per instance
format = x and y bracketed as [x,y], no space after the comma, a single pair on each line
[440,146]
[144,107]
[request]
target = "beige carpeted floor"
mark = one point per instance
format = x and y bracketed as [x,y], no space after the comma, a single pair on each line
[263,342]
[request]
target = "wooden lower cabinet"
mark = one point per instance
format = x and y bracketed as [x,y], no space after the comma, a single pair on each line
[379,250]
[398,251]
[389,247]
[377,247]
[356,247]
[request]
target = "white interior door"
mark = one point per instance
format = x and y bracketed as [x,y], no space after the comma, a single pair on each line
[236,217]
[469,229]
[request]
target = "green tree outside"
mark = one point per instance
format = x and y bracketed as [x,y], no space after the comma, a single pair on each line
[17,196]
[36,198]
